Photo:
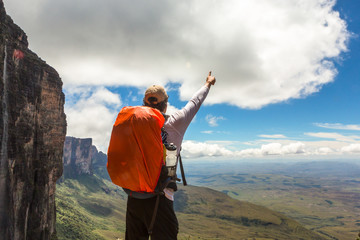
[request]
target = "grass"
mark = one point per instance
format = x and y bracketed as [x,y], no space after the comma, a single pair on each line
[325,204]
[90,207]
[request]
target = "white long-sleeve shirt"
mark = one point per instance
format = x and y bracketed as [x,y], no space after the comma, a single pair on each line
[178,122]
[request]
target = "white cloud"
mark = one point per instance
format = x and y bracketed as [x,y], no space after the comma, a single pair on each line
[261,52]
[339,126]
[213,120]
[325,151]
[192,149]
[171,109]
[336,136]
[352,148]
[208,132]
[93,115]
[271,149]
[275,149]
[132,97]
[272,136]
[288,150]
[293,148]
[104,96]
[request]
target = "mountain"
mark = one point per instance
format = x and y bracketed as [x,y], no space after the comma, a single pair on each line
[32,132]
[81,157]
[91,207]
[77,157]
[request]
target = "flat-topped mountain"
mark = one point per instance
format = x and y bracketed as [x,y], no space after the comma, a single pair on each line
[81,157]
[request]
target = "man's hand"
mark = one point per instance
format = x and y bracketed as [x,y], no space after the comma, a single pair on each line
[210,80]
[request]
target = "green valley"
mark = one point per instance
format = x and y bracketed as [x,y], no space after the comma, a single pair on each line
[90,207]
[227,200]
[323,196]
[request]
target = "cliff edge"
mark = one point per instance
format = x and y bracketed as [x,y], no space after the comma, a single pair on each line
[32,133]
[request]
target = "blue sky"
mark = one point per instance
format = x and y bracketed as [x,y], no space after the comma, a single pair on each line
[287,71]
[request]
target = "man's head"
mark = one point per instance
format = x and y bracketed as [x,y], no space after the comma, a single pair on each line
[156,97]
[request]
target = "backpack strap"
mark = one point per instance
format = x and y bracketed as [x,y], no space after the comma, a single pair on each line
[160,193]
[154,215]
[182,171]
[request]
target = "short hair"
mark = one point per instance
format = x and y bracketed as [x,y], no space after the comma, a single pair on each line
[152,102]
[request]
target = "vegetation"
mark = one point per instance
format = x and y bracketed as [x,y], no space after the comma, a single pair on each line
[208,214]
[91,207]
[323,197]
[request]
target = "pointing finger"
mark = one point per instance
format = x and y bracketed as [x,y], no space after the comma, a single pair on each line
[210,73]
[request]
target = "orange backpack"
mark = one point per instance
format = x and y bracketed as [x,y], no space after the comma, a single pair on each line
[135,153]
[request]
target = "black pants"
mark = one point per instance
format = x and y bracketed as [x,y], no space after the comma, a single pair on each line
[139,214]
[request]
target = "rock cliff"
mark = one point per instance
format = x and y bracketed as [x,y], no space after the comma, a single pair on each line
[98,163]
[32,133]
[81,157]
[77,157]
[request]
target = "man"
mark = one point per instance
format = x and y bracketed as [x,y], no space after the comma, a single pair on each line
[140,211]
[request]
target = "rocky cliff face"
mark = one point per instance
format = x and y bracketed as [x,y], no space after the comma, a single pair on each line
[81,157]
[32,133]
[77,157]
[98,163]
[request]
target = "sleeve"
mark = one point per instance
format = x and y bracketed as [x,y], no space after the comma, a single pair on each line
[182,118]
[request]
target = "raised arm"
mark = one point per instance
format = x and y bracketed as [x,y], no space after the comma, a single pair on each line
[182,118]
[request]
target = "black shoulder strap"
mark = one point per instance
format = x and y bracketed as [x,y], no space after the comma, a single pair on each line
[182,171]
[151,227]
[161,192]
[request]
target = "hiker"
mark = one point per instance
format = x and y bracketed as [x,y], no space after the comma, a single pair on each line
[140,211]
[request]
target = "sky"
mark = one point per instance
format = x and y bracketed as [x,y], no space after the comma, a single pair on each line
[287,70]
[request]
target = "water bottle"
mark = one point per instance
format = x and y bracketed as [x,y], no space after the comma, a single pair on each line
[171,159]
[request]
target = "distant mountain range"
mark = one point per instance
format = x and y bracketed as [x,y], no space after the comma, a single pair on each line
[89,206]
